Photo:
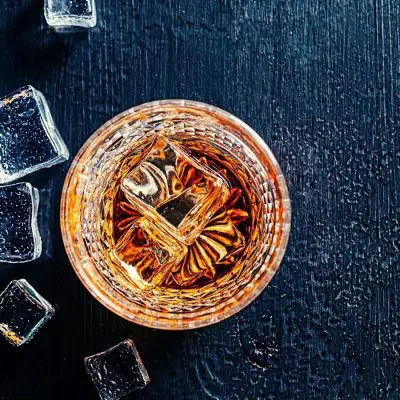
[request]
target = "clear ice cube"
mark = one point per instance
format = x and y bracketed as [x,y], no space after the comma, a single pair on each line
[160,188]
[23,311]
[29,139]
[19,234]
[178,208]
[118,371]
[74,13]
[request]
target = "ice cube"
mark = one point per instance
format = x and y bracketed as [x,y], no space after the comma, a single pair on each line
[118,371]
[161,188]
[148,251]
[23,311]
[19,234]
[74,13]
[155,180]
[29,139]
[178,208]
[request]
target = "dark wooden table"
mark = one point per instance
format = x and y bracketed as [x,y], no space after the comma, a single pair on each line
[319,79]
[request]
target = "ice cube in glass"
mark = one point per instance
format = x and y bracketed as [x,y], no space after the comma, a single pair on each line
[20,239]
[23,311]
[29,140]
[151,251]
[174,190]
[117,371]
[70,13]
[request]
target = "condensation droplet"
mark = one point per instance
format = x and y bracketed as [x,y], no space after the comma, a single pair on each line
[27,113]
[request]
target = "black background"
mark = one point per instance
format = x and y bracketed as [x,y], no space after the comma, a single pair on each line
[319,80]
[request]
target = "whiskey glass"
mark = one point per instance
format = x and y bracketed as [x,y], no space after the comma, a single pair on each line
[195,267]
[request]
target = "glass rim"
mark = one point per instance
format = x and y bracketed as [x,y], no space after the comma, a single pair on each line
[195,319]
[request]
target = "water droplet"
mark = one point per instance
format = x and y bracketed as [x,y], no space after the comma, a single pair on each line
[27,113]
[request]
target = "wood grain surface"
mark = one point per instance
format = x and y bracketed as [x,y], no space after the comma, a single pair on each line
[319,80]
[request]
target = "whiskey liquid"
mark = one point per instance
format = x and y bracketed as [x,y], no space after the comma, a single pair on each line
[147,223]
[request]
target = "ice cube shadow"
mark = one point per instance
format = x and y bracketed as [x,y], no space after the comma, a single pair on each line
[45,215]
[49,182]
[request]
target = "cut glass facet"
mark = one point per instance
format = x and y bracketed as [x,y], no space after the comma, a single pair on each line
[64,13]
[118,371]
[19,234]
[29,140]
[156,187]
[23,311]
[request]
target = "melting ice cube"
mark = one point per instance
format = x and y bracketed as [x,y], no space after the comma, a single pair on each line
[117,371]
[23,311]
[64,13]
[29,139]
[19,235]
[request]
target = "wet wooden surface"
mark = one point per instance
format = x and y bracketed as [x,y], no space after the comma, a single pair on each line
[320,81]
